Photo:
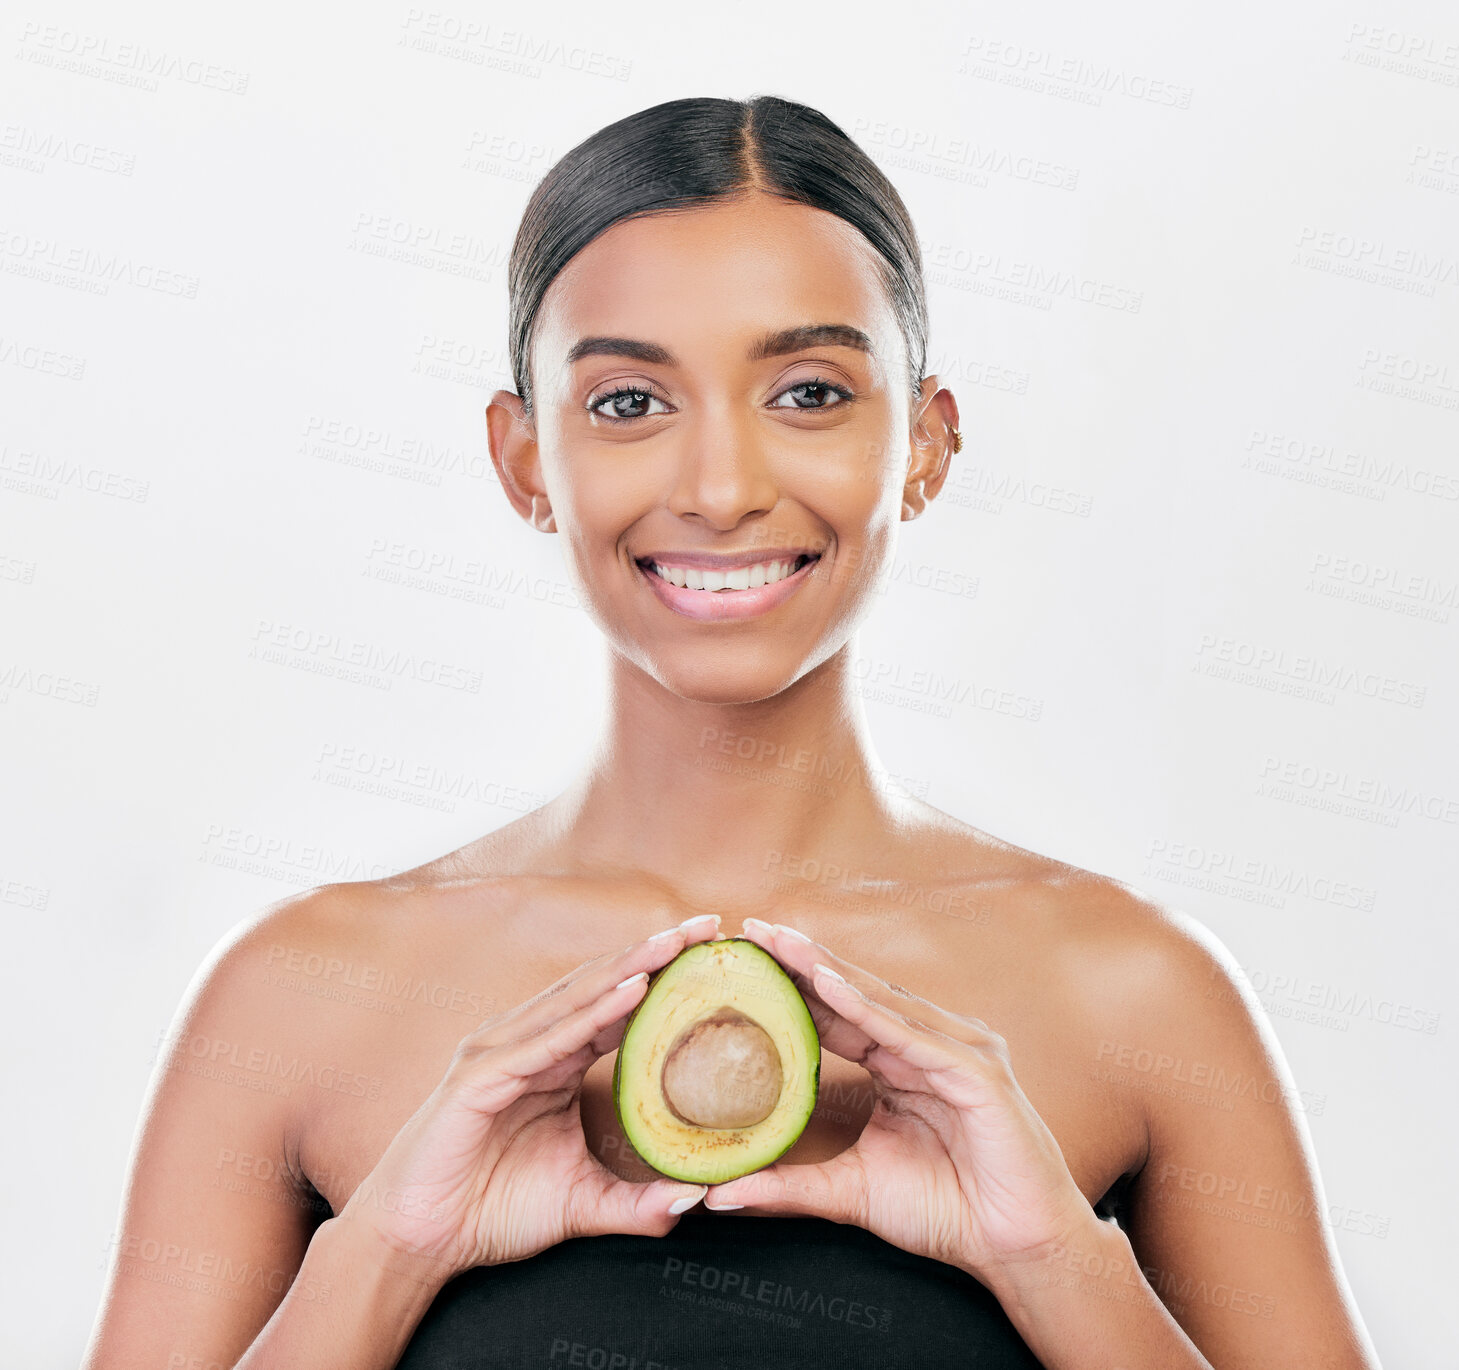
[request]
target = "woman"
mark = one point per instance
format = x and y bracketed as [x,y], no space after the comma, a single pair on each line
[1035,1077]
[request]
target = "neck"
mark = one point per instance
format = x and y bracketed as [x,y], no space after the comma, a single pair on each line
[716,801]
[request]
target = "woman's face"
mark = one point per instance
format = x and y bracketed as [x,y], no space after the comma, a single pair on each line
[712,454]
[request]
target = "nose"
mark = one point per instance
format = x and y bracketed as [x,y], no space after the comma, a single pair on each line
[722,473]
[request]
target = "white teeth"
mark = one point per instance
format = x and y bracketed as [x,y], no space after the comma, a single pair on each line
[741,578]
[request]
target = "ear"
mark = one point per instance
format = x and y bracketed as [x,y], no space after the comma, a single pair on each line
[512,438]
[934,420]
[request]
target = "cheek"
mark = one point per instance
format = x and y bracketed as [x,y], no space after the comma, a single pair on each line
[860,499]
[596,496]
[861,495]
[598,510]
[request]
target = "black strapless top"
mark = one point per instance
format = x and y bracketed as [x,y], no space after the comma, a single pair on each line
[719,1292]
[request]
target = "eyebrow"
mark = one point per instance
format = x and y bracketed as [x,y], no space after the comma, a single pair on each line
[773,344]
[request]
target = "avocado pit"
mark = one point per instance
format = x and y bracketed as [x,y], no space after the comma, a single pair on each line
[722,1071]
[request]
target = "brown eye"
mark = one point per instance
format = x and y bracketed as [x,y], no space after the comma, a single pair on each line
[624,404]
[818,392]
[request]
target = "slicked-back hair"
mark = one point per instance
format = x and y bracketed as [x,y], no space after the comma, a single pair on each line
[694,151]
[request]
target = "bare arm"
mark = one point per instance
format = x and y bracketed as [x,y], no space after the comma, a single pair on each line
[213,1256]
[1228,1212]
[1226,1226]
[491,1167]
[373,1301]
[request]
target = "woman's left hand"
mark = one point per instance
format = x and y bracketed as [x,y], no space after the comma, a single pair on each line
[954,1162]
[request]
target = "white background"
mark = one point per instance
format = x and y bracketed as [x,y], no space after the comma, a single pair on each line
[235,409]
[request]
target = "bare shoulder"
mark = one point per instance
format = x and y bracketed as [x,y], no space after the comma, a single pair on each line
[1170,1021]
[277,977]
[1172,980]
[238,979]
[238,1051]
[1149,974]
[1157,947]
[318,919]
[1081,913]
[388,921]
[1162,1031]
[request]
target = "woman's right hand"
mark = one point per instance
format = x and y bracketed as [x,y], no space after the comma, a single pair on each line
[493,1166]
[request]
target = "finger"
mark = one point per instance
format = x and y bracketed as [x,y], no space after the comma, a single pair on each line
[844,1038]
[834,1189]
[837,1034]
[603,1203]
[962,1073]
[565,1078]
[803,952]
[841,1036]
[568,1074]
[583,984]
[489,1075]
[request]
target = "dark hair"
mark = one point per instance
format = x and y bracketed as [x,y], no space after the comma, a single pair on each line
[693,151]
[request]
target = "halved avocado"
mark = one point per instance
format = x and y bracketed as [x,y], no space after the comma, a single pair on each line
[720,1064]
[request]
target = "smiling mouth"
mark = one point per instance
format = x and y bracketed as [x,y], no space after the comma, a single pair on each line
[728,581]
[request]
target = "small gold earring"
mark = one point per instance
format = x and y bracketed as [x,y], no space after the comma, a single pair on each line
[957,440]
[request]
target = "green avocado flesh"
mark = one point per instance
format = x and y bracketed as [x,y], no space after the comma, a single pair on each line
[720,1064]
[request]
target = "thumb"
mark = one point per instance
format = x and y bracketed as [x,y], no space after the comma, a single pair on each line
[639,1209]
[820,1191]
[673,1197]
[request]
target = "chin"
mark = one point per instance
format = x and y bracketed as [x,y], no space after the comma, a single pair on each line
[707,685]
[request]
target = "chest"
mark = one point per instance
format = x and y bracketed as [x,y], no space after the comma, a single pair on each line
[403,1045]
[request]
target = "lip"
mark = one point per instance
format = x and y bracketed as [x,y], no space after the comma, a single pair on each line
[710,606]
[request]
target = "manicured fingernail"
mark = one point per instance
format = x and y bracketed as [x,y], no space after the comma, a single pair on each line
[699,918]
[640,975]
[834,975]
[689,1200]
[720,1208]
[780,927]
[762,925]
[667,932]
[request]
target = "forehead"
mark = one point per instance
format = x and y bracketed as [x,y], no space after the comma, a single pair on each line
[698,280]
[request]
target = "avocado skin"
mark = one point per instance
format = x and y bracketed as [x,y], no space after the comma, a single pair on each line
[730,1172]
